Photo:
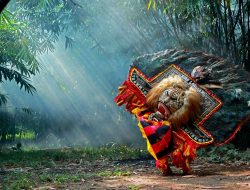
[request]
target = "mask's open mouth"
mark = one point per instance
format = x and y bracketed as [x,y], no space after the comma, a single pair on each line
[164,110]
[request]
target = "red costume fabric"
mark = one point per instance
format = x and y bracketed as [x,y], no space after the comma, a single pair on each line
[164,142]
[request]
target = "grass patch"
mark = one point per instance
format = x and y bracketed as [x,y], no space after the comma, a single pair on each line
[25,135]
[24,180]
[133,187]
[61,178]
[37,158]
[19,180]
[28,169]
[116,172]
[224,153]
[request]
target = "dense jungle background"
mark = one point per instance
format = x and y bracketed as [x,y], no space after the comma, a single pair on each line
[61,62]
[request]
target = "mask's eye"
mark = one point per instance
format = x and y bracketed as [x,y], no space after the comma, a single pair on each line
[166,93]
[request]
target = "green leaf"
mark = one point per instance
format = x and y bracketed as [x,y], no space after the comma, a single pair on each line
[3,99]
[149,4]
[27,110]
[154,5]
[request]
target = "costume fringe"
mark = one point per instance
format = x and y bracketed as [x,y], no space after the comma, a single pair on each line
[130,96]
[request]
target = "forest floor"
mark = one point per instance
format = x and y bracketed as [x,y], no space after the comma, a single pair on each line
[111,169]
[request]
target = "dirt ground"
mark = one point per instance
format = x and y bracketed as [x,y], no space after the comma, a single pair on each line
[144,175]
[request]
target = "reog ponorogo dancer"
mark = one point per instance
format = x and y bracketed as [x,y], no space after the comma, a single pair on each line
[178,113]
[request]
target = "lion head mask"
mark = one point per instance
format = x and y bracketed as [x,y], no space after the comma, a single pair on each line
[177,102]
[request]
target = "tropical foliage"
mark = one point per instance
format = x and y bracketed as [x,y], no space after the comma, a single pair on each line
[220,27]
[30,28]
[16,61]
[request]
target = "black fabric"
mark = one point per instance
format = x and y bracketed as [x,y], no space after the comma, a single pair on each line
[162,130]
[158,135]
[154,138]
[144,124]
[165,151]
[223,123]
